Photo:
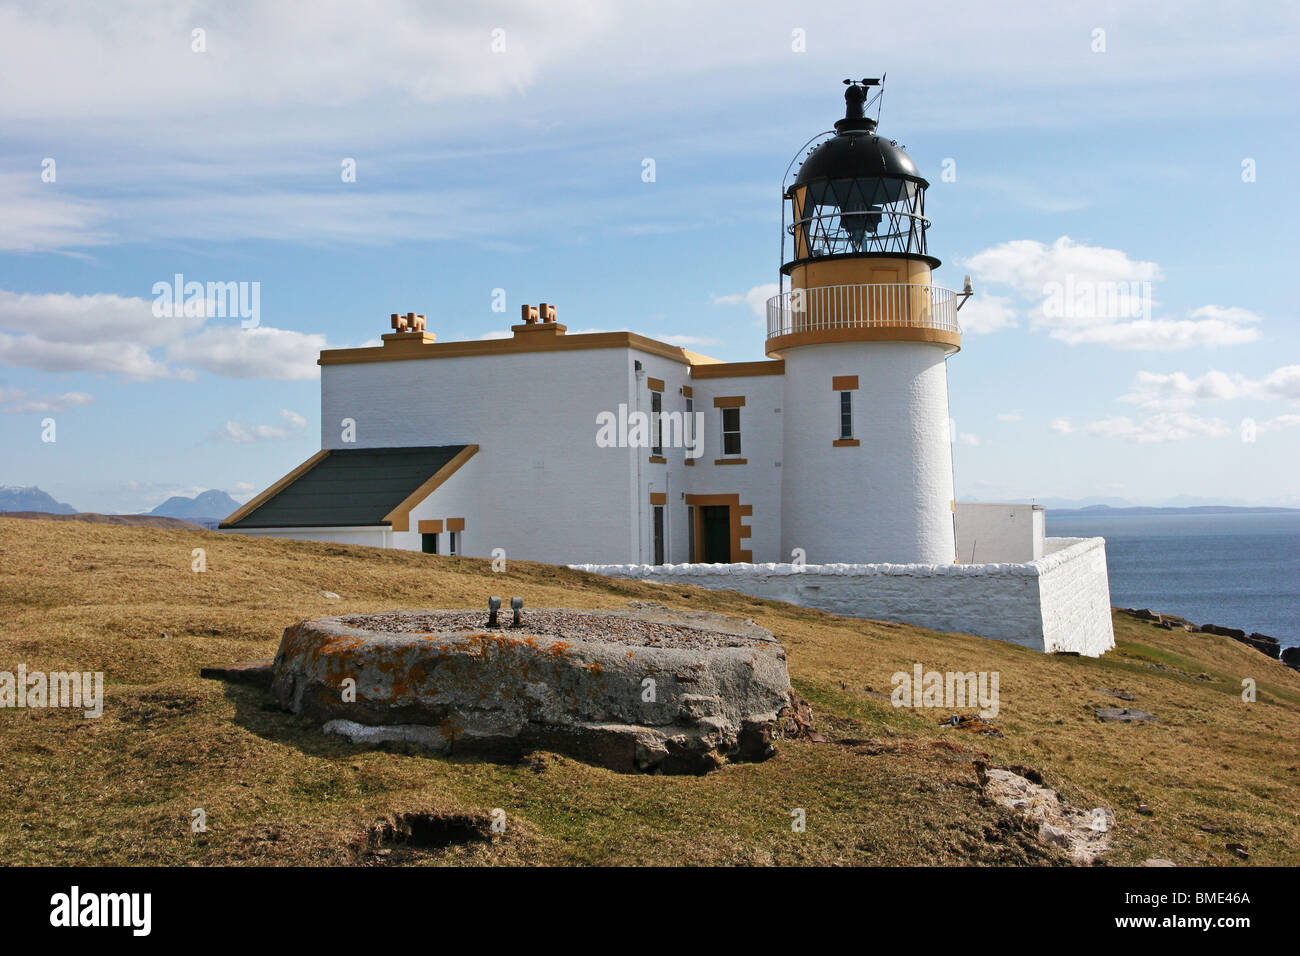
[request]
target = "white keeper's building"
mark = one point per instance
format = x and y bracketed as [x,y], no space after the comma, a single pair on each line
[829,459]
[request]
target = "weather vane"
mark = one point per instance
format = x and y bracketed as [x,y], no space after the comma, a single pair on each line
[856,96]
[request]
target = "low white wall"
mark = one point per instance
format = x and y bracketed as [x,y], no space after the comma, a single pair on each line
[1074,592]
[372,537]
[1060,602]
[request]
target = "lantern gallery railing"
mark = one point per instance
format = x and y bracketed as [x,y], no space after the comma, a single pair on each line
[883,305]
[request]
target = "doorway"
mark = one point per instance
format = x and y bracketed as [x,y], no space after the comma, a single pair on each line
[715,528]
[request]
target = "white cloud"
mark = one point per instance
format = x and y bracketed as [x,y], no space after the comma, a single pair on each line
[1093,295]
[260,352]
[323,55]
[1028,266]
[1062,426]
[47,403]
[1178,390]
[1170,426]
[242,433]
[62,332]
[1012,416]
[127,360]
[37,216]
[1160,335]
[324,80]
[966,438]
[118,335]
[1279,423]
[986,313]
[756,298]
[1231,315]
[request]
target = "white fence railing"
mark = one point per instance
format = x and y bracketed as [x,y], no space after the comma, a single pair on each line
[883,305]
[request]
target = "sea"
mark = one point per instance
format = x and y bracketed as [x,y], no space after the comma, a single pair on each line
[1236,569]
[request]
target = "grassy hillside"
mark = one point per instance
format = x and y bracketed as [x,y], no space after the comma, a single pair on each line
[890,787]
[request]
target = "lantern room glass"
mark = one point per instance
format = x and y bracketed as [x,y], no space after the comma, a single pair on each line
[858,215]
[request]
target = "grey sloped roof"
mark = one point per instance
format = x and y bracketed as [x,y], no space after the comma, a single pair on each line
[350,487]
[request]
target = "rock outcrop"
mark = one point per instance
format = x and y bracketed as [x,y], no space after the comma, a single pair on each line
[1263,643]
[1083,834]
[640,690]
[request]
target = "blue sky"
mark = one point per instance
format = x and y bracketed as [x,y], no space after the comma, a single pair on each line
[1159,151]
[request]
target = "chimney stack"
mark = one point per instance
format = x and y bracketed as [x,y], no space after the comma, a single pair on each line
[411,322]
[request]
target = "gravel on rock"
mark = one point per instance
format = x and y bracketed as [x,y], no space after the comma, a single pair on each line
[562,624]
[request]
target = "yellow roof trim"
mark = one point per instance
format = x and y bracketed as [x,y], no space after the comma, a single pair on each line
[413,347]
[739,369]
[400,517]
[258,500]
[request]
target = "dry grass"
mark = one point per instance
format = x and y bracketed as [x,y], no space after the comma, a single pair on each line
[892,788]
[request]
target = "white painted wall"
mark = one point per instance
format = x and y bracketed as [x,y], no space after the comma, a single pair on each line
[758,481]
[890,498]
[374,537]
[1074,590]
[1060,602]
[457,497]
[989,533]
[548,493]
[672,478]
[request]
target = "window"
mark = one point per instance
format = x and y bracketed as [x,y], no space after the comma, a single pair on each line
[688,430]
[659,534]
[429,543]
[656,416]
[846,414]
[453,542]
[731,431]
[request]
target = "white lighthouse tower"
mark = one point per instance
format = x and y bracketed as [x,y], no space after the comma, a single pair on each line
[865,336]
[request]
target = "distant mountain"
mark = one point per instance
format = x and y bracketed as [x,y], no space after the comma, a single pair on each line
[1180,504]
[13,498]
[209,507]
[1191,501]
[1104,511]
[1054,503]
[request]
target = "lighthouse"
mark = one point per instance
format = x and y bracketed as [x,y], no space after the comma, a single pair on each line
[865,336]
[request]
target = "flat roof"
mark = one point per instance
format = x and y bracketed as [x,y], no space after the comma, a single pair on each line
[539,337]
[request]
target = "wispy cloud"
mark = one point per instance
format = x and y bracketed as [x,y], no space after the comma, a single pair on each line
[242,433]
[37,216]
[1167,427]
[16,404]
[756,298]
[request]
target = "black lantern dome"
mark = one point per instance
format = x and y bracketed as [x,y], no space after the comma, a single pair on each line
[857,193]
